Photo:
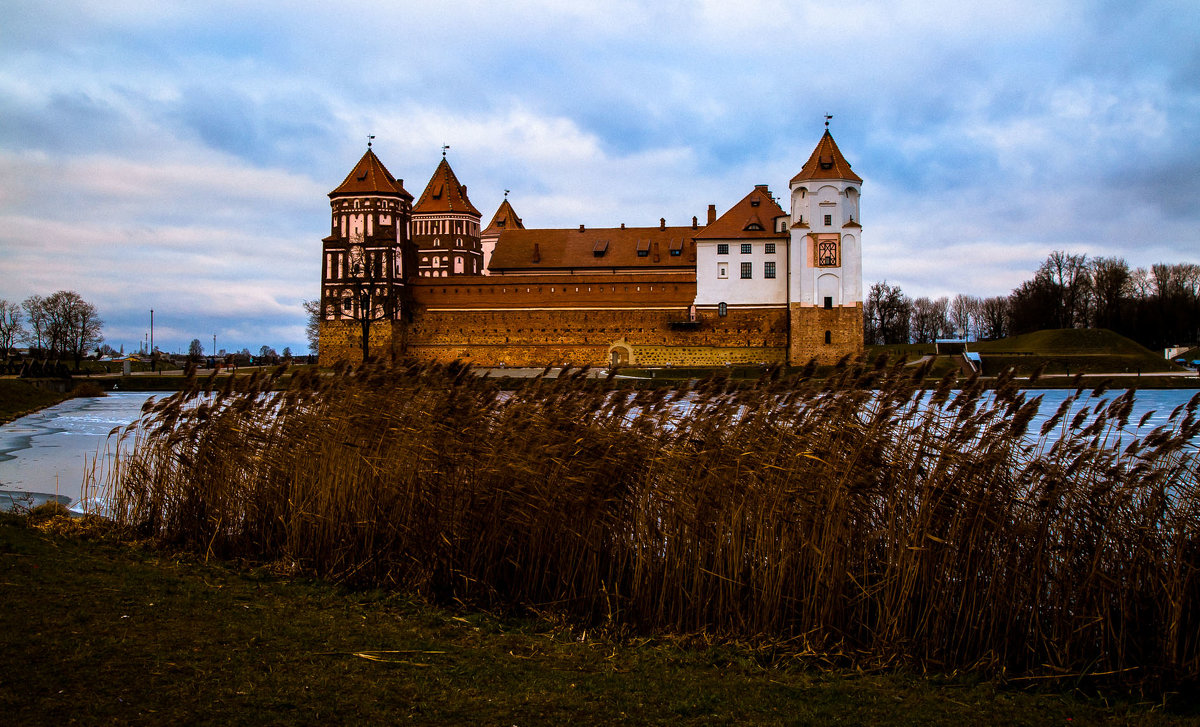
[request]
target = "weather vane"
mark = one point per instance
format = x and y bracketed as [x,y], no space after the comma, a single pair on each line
[444,148]
[370,137]
[827,118]
[506,193]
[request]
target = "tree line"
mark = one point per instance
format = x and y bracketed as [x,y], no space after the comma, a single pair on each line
[59,325]
[1157,307]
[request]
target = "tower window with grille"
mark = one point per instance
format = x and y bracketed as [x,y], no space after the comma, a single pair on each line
[769,248]
[746,248]
[827,254]
[769,270]
[829,219]
[747,270]
[722,248]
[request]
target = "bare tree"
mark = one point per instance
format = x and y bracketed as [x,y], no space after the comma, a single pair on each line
[35,312]
[993,316]
[195,350]
[962,309]
[1110,290]
[886,314]
[312,326]
[12,328]
[929,320]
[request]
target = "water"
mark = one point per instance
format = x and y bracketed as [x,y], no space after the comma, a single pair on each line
[48,452]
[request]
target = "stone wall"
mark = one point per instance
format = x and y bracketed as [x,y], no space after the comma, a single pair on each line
[341,340]
[809,324]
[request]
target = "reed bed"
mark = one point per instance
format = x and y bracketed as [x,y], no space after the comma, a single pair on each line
[856,519]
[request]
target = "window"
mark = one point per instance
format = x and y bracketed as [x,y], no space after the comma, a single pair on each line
[828,337]
[828,302]
[769,270]
[722,309]
[746,271]
[746,249]
[643,252]
[827,254]
[722,248]
[722,270]
[769,248]
[676,251]
[829,219]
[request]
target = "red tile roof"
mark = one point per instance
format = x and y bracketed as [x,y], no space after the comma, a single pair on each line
[756,208]
[826,162]
[370,177]
[444,193]
[602,247]
[504,219]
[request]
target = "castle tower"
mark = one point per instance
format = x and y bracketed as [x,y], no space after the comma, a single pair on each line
[504,219]
[825,258]
[446,228]
[364,262]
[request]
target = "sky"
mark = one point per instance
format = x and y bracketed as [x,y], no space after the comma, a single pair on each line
[177,156]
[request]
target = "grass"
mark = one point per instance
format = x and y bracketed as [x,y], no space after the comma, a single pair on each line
[1071,351]
[18,398]
[835,516]
[97,632]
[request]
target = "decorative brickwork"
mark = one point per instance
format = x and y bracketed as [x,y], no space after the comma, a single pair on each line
[810,324]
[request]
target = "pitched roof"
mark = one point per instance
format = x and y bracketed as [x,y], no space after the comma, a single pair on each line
[755,209]
[602,247]
[369,176]
[444,193]
[504,219]
[826,162]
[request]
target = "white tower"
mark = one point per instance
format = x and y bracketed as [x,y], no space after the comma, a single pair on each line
[825,258]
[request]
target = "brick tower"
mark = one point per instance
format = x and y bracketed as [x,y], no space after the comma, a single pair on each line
[825,298]
[446,228]
[364,262]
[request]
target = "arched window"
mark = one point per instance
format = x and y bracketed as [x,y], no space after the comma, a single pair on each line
[828,337]
[722,309]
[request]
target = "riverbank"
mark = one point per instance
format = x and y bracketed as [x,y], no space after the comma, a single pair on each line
[97,631]
[19,397]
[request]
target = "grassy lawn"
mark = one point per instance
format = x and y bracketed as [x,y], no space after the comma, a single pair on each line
[96,632]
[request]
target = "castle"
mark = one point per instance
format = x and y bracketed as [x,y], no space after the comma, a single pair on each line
[753,285]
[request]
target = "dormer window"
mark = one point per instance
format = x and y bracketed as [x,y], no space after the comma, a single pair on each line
[753,227]
[643,248]
[600,248]
[754,202]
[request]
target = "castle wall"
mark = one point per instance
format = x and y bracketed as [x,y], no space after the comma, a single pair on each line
[649,337]
[809,324]
[341,340]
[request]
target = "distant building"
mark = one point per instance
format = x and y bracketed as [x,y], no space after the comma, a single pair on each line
[753,285]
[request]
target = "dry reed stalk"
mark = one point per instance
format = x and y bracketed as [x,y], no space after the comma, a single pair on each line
[858,515]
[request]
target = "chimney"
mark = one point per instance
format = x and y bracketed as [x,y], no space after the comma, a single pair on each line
[662,223]
[537,253]
[622,225]
[581,228]
[695,222]
[712,213]
[464,189]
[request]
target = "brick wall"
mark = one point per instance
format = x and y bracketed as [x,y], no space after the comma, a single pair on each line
[809,324]
[542,337]
[539,321]
[342,340]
